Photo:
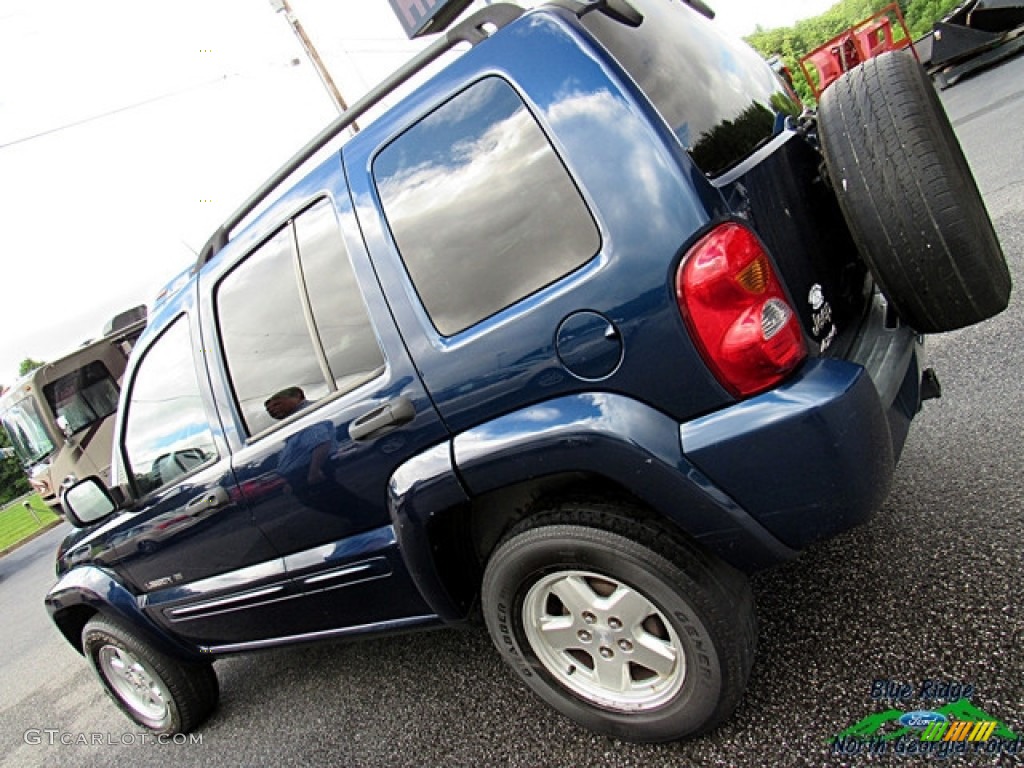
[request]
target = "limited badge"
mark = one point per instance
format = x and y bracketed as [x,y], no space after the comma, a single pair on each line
[822,326]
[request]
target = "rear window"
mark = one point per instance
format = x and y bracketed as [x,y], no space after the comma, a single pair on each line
[719,97]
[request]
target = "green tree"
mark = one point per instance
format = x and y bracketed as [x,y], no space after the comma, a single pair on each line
[28,365]
[13,482]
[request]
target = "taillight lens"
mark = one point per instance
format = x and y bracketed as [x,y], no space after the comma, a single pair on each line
[737,312]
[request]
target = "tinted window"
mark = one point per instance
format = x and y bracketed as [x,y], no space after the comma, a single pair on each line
[292,335]
[340,316]
[166,430]
[264,331]
[83,397]
[481,208]
[716,93]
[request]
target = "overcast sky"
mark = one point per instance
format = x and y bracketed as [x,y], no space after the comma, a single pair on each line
[130,129]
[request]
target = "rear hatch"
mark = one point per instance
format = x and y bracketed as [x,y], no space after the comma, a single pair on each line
[738,122]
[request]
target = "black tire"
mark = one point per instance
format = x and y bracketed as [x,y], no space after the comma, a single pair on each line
[158,692]
[909,196]
[689,616]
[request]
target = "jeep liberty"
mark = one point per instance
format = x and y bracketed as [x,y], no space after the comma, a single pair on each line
[589,325]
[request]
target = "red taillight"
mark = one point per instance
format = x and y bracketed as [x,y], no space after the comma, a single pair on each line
[737,312]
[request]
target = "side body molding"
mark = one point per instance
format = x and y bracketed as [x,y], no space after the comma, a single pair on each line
[89,589]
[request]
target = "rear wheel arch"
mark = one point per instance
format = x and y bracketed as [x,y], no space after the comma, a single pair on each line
[497,512]
[462,538]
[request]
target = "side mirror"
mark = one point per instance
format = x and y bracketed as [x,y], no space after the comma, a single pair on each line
[62,422]
[88,501]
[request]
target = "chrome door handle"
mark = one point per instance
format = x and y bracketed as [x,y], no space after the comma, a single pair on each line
[211,499]
[393,413]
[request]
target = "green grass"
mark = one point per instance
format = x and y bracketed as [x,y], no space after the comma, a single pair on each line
[17,523]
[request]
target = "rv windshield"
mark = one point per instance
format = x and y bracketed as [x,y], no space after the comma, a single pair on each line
[83,397]
[25,428]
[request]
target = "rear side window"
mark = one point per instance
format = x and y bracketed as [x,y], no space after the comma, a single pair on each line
[481,208]
[719,97]
[341,320]
[293,324]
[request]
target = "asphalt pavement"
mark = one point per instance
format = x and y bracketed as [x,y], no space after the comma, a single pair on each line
[925,600]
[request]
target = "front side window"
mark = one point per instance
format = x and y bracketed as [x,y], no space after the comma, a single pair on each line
[481,208]
[83,397]
[166,433]
[293,323]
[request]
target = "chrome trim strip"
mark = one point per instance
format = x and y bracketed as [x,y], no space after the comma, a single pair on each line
[339,574]
[757,158]
[225,601]
[362,629]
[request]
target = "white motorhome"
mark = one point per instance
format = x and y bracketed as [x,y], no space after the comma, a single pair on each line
[60,417]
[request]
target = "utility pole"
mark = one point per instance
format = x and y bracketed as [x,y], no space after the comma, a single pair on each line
[314,57]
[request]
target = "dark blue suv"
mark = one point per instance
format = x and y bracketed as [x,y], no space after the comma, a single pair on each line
[594,321]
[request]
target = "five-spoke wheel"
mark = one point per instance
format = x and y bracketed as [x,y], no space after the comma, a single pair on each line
[618,624]
[162,693]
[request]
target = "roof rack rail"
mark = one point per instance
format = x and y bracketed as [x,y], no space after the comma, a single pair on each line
[473,30]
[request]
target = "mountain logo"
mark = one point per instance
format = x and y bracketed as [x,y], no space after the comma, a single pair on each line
[957,721]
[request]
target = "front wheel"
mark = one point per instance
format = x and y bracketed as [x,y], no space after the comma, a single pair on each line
[161,693]
[630,633]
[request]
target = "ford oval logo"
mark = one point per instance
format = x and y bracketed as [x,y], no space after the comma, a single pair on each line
[921,719]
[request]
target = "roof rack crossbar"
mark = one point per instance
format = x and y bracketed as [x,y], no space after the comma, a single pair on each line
[473,30]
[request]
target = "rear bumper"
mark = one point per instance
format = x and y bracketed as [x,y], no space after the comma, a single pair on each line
[816,456]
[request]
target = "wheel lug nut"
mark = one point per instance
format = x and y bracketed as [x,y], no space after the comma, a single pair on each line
[614,623]
[606,652]
[589,617]
[625,645]
[584,636]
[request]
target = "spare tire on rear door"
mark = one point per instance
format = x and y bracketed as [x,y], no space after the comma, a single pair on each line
[909,196]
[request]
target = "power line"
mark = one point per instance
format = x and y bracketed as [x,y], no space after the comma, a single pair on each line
[118,110]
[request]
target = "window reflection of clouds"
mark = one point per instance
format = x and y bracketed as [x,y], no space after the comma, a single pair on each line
[469,103]
[165,412]
[264,332]
[342,320]
[480,206]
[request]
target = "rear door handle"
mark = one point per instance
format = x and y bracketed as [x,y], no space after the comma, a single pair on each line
[393,413]
[211,499]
